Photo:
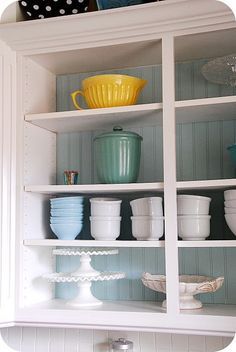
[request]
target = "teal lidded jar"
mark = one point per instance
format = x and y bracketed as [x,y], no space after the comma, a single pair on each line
[117,156]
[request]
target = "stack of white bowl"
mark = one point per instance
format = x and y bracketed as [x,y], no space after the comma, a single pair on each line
[147,219]
[105,218]
[193,217]
[230,209]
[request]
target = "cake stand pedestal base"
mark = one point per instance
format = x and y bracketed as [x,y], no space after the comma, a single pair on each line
[85,297]
[187,302]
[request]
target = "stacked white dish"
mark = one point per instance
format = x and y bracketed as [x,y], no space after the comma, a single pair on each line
[147,219]
[66,219]
[230,209]
[193,217]
[105,218]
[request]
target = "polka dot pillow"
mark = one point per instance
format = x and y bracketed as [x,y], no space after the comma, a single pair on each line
[36,9]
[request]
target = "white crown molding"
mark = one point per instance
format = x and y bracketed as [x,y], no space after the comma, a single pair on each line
[97,28]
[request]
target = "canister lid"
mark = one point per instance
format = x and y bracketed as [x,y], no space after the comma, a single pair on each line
[122,345]
[118,132]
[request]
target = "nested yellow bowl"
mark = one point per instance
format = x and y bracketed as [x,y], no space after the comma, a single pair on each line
[104,91]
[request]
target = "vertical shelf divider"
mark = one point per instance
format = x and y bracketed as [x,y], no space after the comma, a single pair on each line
[169,150]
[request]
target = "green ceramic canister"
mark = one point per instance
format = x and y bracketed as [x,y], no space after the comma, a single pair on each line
[117,156]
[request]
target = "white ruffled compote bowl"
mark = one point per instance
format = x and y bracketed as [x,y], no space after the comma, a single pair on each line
[189,285]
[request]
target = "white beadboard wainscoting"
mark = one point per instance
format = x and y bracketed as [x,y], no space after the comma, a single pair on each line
[77,340]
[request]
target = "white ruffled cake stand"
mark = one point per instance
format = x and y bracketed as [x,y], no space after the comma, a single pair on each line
[84,297]
[85,268]
[84,275]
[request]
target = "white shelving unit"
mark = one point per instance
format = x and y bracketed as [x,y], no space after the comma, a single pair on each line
[32,54]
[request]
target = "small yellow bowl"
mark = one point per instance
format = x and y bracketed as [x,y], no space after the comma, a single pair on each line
[104,91]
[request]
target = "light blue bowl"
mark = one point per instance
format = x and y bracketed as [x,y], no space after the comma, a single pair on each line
[66,219]
[68,206]
[58,213]
[73,201]
[66,222]
[66,231]
[69,217]
[65,205]
[67,199]
[232,152]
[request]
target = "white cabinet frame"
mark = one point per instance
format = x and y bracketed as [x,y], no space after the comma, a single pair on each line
[32,54]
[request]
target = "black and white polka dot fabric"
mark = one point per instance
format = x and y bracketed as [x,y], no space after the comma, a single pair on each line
[36,9]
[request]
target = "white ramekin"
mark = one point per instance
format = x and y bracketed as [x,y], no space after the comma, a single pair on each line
[149,206]
[106,228]
[194,227]
[192,205]
[230,194]
[105,206]
[231,222]
[147,228]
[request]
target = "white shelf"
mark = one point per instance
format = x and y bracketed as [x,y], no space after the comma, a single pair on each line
[209,109]
[129,244]
[109,315]
[227,310]
[93,243]
[130,187]
[205,244]
[133,315]
[119,306]
[96,188]
[206,184]
[87,119]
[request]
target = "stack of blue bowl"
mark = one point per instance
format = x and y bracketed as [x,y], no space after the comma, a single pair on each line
[66,219]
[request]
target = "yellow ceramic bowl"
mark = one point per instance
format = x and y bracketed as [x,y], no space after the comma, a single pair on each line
[104,91]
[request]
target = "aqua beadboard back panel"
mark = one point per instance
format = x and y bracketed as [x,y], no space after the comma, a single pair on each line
[201,154]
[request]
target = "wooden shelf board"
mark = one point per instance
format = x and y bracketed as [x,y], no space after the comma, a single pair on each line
[93,119]
[96,188]
[93,243]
